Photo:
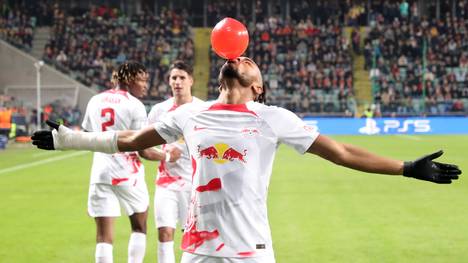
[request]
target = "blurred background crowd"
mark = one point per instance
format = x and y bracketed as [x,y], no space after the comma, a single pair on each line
[414,54]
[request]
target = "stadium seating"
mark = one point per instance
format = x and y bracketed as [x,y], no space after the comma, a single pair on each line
[90,45]
[306,67]
[417,65]
[17,26]
[420,65]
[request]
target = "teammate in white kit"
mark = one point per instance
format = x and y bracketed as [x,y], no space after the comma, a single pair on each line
[232,144]
[118,179]
[174,180]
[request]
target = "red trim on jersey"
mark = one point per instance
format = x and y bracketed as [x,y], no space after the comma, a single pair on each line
[196,128]
[246,254]
[220,246]
[116,181]
[213,185]
[117,91]
[231,107]
[173,107]
[194,167]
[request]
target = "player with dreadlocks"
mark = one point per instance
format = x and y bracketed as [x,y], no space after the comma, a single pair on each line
[118,179]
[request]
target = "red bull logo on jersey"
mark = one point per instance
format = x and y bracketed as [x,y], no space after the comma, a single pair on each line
[209,152]
[221,153]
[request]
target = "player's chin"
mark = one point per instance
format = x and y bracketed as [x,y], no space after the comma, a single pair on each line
[229,71]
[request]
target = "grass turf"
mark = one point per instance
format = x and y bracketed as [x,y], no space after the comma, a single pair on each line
[319,212]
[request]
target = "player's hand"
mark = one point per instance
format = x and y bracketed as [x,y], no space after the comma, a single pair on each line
[49,139]
[175,153]
[426,169]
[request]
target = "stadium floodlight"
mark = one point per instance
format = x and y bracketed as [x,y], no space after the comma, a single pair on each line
[38,65]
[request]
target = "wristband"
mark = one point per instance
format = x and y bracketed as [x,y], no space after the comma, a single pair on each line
[168,157]
[407,169]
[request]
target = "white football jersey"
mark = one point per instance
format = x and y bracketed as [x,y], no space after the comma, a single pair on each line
[177,175]
[232,148]
[115,110]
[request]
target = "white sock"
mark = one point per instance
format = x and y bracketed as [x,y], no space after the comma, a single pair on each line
[166,252]
[104,253]
[136,247]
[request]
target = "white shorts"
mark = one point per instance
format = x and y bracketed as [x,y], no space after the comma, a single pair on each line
[194,258]
[170,207]
[105,200]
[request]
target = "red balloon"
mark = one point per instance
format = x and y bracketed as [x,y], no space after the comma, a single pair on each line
[229,38]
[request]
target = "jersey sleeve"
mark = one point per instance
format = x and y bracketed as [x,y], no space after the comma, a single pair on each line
[291,130]
[140,119]
[170,127]
[154,114]
[87,123]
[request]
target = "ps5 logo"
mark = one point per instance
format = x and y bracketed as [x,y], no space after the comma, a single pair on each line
[396,126]
[420,126]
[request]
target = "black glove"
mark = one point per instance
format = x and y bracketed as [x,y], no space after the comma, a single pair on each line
[43,139]
[425,169]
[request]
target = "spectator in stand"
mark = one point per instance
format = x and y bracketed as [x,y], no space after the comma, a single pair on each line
[433,83]
[92,43]
[297,58]
[17,25]
[356,40]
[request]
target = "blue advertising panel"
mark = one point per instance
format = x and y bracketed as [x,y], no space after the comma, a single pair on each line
[382,126]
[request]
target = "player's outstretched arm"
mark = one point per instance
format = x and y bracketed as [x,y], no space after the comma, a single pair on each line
[62,138]
[359,159]
[171,154]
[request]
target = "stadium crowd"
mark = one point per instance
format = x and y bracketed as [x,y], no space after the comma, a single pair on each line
[91,44]
[306,67]
[418,64]
[17,25]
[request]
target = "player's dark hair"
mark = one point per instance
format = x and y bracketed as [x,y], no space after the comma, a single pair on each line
[127,72]
[179,64]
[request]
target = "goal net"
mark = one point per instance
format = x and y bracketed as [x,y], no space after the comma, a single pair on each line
[66,95]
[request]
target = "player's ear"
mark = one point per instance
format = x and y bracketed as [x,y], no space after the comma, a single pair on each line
[258,93]
[192,79]
[262,96]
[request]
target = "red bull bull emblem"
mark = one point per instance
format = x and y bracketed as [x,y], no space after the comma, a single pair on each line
[221,153]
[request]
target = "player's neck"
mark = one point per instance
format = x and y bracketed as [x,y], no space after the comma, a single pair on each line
[234,95]
[121,87]
[182,99]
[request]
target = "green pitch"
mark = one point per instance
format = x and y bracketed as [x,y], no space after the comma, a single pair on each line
[318,212]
